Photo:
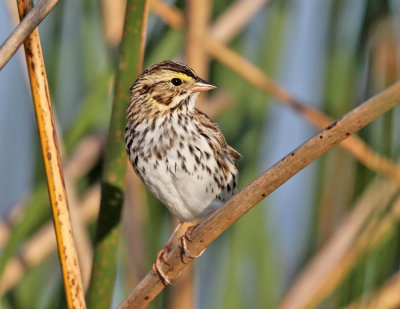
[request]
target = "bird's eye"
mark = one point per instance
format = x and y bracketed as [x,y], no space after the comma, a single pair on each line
[176,81]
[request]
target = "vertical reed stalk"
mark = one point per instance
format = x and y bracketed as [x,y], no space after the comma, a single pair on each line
[113,182]
[52,161]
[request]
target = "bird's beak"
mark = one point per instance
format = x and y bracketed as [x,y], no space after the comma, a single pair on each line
[201,85]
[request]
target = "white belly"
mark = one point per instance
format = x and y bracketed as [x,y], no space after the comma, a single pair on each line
[184,186]
[182,174]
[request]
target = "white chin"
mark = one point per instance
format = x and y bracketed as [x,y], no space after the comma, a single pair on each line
[192,100]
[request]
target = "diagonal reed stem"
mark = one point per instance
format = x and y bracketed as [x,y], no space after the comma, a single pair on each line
[52,161]
[26,26]
[214,225]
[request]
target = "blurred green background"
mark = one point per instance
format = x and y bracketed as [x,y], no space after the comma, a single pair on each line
[331,54]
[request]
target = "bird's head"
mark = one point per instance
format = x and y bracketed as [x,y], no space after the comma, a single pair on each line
[167,85]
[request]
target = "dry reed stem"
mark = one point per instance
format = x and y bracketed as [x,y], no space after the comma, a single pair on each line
[43,243]
[52,162]
[234,19]
[258,78]
[387,297]
[22,31]
[211,227]
[361,230]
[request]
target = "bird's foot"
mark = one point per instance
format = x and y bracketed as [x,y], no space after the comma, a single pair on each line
[157,265]
[183,243]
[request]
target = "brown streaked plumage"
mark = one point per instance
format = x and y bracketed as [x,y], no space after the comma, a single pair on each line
[178,152]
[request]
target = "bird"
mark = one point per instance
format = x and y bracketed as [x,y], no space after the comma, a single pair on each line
[177,151]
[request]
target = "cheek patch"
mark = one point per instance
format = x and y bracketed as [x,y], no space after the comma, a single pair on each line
[163,99]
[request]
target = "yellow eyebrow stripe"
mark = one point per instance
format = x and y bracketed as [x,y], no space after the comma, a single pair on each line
[182,76]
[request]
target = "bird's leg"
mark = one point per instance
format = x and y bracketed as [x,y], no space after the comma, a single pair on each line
[187,237]
[183,243]
[160,256]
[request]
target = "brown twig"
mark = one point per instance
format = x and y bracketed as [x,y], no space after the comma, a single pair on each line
[52,162]
[211,227]
[22,31]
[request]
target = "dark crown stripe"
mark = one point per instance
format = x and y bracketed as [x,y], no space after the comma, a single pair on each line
[172,66]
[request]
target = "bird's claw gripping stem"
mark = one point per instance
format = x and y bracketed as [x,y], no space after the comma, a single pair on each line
[183,243]
[157,266]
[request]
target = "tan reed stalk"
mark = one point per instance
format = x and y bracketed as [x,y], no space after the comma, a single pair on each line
[52,161]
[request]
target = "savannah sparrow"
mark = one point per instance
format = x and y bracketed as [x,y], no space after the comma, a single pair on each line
[177,151]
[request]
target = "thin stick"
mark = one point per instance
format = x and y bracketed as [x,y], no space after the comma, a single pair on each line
[52,161]
[214,225]
[22,31]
